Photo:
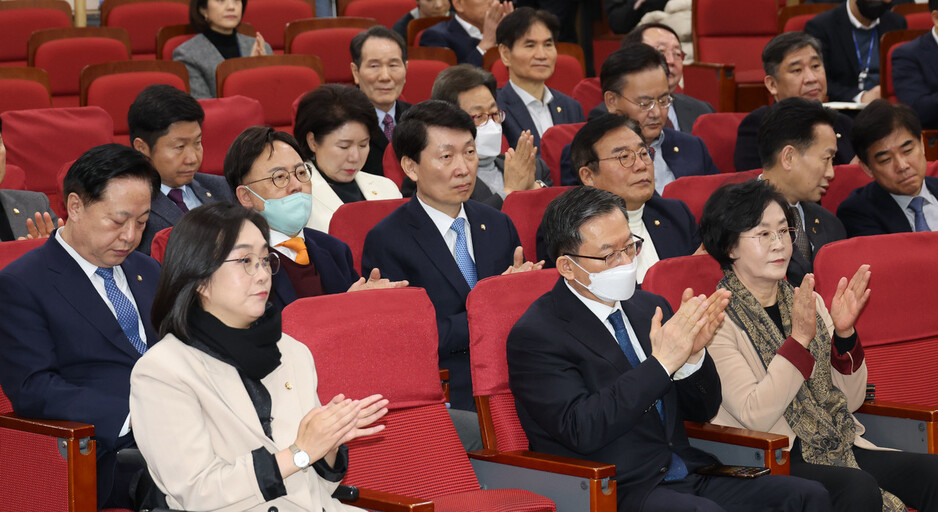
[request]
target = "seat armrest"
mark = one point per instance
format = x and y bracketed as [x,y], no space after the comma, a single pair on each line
[545,462]
[908,427]
[389,502]
[739,446]
[54,428]
[899,410]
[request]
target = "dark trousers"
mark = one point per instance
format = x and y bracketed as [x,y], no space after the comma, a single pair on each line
[913,477]
[698,493]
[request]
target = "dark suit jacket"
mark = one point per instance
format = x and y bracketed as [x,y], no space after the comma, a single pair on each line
[870,210]
[578,396]
[332,259]
[835,32]
[379,143]
[164,213]
[63,355]
[669,222]
[450,34]
[822,227]
[686,108]
[746,153]
[563,110]
[19,205]
[407,245]
[400,26]
[915,77]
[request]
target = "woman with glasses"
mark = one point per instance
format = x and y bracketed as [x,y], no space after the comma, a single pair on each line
[789,366]
[224,407]
[334,125]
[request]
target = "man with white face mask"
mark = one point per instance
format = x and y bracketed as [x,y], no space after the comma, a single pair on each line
[603,372]
[472,89]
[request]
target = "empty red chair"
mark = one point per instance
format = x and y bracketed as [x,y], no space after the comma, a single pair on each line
[589,93]
[847,178]
[64,52]
[225,119]
[387,12]
[695,190]
[270,18]
[114,86]
[23,88]
[274,80]
[526,209]
[669,277]
[328,38]
[20,18]
[143,19]
[793,18]
[718,132]
[352,222]
[423,65]
[552,144]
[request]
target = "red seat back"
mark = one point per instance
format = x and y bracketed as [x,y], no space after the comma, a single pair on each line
[891,41]
[387,12]
[329,40]
[847,178]
[552,143]
[392,166]
[14,179]
[158,245]
[63,53]
[23,88]
[143,19]
[275,81]
[19,19]
[270,18]
[588,93]
[734,32]
[420,77]
[919,21]
[669,277]
[352,222]
[718,132]
[695,190]
[526,209]
[225,119]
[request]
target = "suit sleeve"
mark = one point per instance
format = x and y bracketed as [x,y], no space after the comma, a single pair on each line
[746,153]
[858,218]
[469,55]
[198,86]
[911,87]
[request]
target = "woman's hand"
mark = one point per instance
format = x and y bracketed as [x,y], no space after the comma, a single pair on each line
[324,428]
[259,47]
[803,314]
[371,409]
[849,300]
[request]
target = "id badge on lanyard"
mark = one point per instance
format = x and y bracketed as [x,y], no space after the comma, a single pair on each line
[864,70]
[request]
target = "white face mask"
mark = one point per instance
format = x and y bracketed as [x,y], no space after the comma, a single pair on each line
[489,139]
[613,284]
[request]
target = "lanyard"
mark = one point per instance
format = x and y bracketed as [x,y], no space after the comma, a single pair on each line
[864,70]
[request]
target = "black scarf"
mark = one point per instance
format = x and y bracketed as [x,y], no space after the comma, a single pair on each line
[252,351]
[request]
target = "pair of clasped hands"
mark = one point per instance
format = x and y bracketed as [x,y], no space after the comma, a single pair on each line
[683,337]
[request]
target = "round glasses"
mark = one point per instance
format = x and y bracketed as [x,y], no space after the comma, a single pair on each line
[281,177]
[480,119]
[768,237]
[648,104]
[628,157]
[252,262]
[632,249]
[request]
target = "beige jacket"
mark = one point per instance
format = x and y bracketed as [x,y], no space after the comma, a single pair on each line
[756,398]
[196,427]
[326,202]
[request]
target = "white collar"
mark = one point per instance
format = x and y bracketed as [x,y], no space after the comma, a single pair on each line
[855,22]
[924,193]
[636,215]
[470,29]
[441,220]
[599,309]
[527,97]
[86,266]
[934,34]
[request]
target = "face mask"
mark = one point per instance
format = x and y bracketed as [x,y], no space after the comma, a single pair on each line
[489,139]
[872,10]
[287,215]
[614,284]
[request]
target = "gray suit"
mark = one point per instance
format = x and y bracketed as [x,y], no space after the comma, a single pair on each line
[201,58]
[164,213]
[20,205]
[688,109]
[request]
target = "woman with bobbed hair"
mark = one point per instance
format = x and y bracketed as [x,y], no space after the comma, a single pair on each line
[224,407]
[789,366]
[334,125]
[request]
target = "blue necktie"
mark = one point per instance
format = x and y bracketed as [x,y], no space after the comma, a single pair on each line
[463,260]
[126,312]
[916,207]
[678,469]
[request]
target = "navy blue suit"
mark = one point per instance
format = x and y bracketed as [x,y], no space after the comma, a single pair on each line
[63,356]
[870,210]
[915,77]
[450,34]
[407,245]
[563,110]
[332,259]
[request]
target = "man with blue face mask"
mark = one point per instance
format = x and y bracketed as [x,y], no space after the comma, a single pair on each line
[265,171]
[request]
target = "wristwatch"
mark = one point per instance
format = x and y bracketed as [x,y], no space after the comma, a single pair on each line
[300,458]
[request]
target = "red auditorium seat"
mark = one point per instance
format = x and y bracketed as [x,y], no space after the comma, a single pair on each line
[917,15]
[669,277]
[20,18]
[589,93]
[328,38]
[695,190]
[225,119]
[271,17]
[24,88]
[526,209]
[168,38]
[158,245]
[392,166]
[846,178]
[552,144]
[793,18]
[718,132]
[888,44]
[352,222]
[568,72]
[387,12]
[423,65]
[14,179]
[143,19]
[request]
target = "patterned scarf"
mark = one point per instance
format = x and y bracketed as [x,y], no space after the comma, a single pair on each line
[818,414]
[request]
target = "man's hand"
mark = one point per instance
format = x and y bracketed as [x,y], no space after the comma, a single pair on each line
[521,164]
[519,265]
[375,282]
[849,300]
[42,227]
[870,95]
[258,49]
[673,342]
[493,16]
[803,313]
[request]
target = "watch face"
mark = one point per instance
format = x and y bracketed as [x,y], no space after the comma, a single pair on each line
[301,459]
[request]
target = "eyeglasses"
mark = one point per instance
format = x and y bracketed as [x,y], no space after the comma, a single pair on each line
[252,262]
[632,249]
[480,119]
[646,105]
[628,157]
[768,237]
[281,178]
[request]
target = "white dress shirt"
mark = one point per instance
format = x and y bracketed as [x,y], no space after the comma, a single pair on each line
[663,173]
[277,237]
[470,29]
[649,255]
[672,116]
[188,195]
[443,222]
[538,108]
[929,207]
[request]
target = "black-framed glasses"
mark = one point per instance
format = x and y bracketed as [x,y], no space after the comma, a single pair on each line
[252,262]
[632,249]
[648,104]
[480,119]
[281,178]
[768,237]
[628,157]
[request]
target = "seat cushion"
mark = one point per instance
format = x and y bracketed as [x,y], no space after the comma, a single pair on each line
[494,500]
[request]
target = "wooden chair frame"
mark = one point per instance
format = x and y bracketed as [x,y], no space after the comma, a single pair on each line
[109,5]
[788,12]
[430,53]
[229,66]
[94,71]
[419,25]
[912,8]
[27,73]
[59,5]
[40,37]
[297,27]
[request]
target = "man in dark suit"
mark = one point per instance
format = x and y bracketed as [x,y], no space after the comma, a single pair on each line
[888,140]
[602,372]
[379,67]
[797,143]
[166,126]
[915,73]
[265,172]
[849,37]
[77,309]
[526,45]
[471,32]
[793,69]
[441,240]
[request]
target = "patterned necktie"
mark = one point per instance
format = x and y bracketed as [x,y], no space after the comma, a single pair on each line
[916,207]
[388,123]
[678,469]
[463,260]
[298,245]
[125,309]
[175,195]
[801,239]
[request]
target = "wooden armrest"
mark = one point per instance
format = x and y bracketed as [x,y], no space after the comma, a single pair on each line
[390,502]
[54,428]
[549,463]
[900,410]
[729,68]
[737,436]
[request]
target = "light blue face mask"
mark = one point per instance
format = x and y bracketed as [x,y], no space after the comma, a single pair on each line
[287,215]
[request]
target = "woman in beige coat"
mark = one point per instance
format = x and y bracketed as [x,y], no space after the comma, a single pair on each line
[789,366]
[224,407]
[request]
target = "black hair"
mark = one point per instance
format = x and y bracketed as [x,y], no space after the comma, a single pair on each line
[156,108]
[248,147]
[733,209]
[514,26]
[933,5]
[879,119]
[453,81]
[566,214]
[90,174]
[781,45]
[627,60]
[791,122]
[410,135]
[326,108]
[198,22]
[637,33]
[198,245]
[380,32]
[583,150]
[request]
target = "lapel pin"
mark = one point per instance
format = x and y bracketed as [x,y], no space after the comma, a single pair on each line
[677,149]
[288,385]
[817,221]
[139,277]
[374,192]
[838,135]
[208,194]
[482,227]
[813,230]
[559,109]
[657,222]
[16,211]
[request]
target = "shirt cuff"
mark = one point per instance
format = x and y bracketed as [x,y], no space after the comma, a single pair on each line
[268,474]
[856,99]
[847,354]
[126,428]
[798,356]
[689,368]
[481,51]
[333,473]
